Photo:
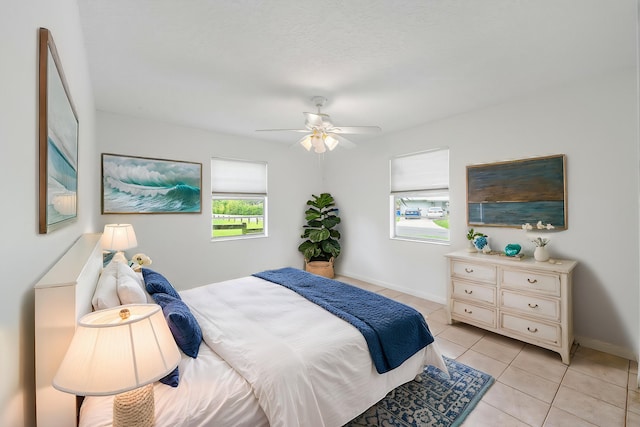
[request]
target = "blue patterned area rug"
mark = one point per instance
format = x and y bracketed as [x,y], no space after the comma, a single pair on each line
[432,399]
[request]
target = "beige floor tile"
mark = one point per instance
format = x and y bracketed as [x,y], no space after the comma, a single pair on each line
[633,419]
[500,352]
[602,358]
[595,387]
[540,362]
[504,341]
[633,366]
[359,283]
[632,384]
[439,316]
[531,384]
[486,364]
[559,418]
[485,415]
[599,369]
[589,408]
[517,404]
[418,303]
[462,335]
[633,402]
[390,293]
[449,349]
[436,327]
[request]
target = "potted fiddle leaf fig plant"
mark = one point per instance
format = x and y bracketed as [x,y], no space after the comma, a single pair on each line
[321,246]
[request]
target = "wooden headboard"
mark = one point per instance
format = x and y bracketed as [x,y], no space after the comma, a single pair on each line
[62,297]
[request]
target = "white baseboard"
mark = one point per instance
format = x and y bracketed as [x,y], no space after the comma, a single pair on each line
[605,347]
[423,295]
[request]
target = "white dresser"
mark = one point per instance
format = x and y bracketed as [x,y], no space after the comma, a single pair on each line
[519,298]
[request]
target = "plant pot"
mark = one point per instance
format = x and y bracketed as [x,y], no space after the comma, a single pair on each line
[321,268]
[541,254]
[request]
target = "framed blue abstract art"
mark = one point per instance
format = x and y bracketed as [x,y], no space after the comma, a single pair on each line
[515,192]
[141,185]
[58,141]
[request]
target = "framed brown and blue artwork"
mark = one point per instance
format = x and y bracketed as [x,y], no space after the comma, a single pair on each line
[57,141]
[141,185]
[515,192]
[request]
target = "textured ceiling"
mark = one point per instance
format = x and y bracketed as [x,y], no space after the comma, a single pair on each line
[237,66]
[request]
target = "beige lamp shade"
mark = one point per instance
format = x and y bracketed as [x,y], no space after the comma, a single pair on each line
[118,237]
[111,353]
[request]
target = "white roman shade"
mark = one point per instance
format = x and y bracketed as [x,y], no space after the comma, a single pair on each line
[425,171]
[238,177]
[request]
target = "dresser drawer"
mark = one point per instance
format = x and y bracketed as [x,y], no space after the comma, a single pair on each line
[531,330]
[478,272]
[486,316]
[531,281]
[474,292]
[531,305]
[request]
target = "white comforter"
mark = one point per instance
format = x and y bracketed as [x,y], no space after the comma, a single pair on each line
[273,358]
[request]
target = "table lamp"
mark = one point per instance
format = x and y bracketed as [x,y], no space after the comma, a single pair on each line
[120,351]
[118,238]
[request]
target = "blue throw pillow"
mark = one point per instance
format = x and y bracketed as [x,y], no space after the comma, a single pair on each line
[184,327]
[157,283]
[172,379]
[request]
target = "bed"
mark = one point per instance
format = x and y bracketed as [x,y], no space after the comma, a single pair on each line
[268,356]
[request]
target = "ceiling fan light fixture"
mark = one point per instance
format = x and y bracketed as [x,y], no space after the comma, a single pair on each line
[306,142]
[318,144]
[330,141]
[321,133]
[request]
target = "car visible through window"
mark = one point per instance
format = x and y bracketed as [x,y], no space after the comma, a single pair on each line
[412,213]
[435,212]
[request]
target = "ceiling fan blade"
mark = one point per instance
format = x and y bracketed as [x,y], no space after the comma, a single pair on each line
[282,130]
[344,142]
[356,129]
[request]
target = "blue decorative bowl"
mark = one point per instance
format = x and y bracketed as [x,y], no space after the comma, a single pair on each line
[480,242]
[512,249]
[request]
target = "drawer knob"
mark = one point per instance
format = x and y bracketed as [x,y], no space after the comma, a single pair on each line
[468,311]
[468,270]
[467,291]
[533,305]
[532,281]
[534,330]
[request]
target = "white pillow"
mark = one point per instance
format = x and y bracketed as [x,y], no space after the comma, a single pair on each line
[106,293]
[130,286]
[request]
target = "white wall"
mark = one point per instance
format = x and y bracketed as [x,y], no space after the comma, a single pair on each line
[594,123]
[25,255]
[180,244]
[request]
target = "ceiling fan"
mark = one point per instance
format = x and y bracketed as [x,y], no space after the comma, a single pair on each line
[321,133]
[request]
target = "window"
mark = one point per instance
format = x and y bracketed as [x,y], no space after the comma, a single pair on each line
[419,196]
[238,199]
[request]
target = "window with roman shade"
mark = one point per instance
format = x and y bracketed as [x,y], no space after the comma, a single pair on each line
[419,196]
[238,199]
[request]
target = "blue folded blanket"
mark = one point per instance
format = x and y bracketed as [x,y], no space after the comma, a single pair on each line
[394,332]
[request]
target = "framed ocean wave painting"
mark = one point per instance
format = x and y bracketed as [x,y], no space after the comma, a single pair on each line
[57,141]
[141,185]
[515,192]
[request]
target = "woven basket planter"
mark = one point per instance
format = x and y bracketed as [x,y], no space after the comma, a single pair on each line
[321,268]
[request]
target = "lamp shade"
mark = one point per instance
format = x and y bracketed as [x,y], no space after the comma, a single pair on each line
[331,141]
[111,353]
[118,237]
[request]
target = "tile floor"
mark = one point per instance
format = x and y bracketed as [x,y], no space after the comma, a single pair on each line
[533,387]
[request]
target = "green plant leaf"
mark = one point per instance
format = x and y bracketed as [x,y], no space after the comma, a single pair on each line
[331,221]
[332,247]
[319,235]
[324,200]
